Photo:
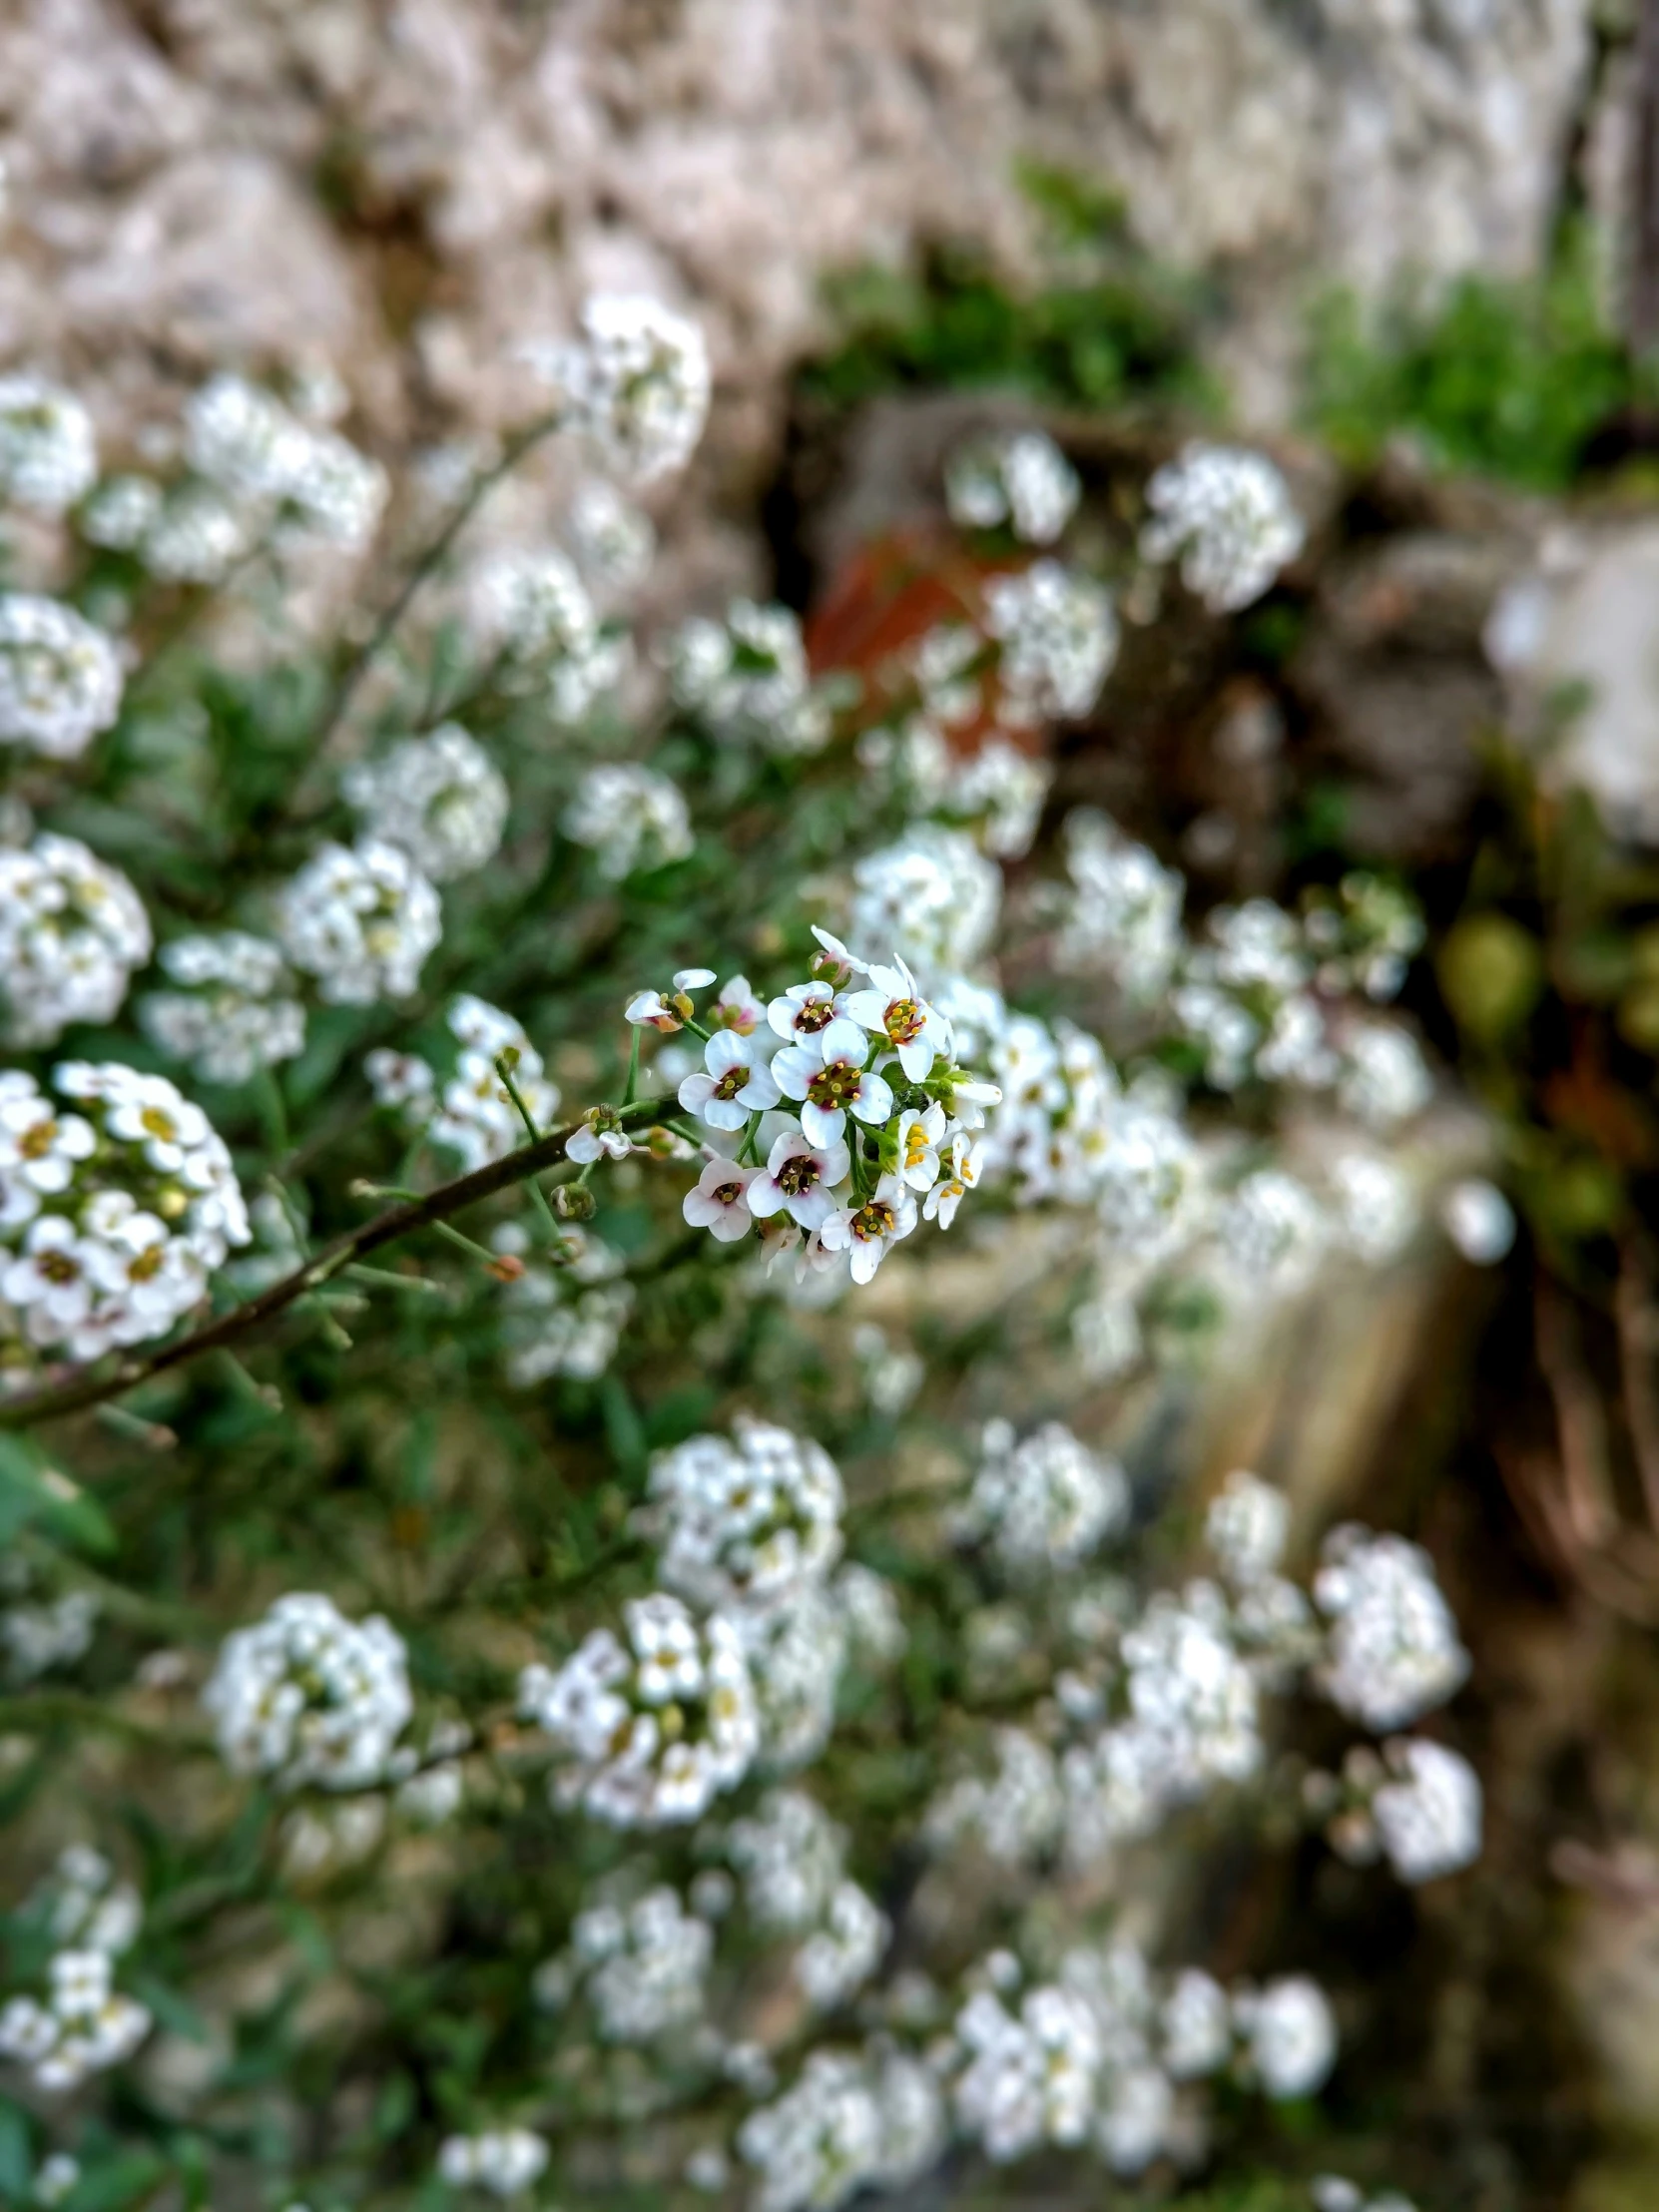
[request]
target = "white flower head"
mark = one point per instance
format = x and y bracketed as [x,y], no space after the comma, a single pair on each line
[826,1074]
[738,1081]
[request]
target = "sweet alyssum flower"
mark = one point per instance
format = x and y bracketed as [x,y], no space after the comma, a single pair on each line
[60,677]
[826,1074]
[309,1696]
[48,451]
[719,1200]
[1226,511]
[233,1010]
[738,1082]
[653,1726]
[799,1179]
[361,920]
[867,1232]
[441,798]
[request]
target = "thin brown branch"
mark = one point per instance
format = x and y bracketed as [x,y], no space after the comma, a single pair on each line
[1633,1312]
[94,1388]
[1579,1422]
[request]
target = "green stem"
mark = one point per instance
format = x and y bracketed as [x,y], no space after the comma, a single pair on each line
[428,1212]
[632,1089]
[533,1133]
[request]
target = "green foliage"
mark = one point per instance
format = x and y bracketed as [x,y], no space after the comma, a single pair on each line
[1507,380]
[1102,324]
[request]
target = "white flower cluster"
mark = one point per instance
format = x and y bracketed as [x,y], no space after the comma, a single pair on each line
[1393,1652]
[1363,934]
[836,1055]
[1420,1806]
[614,541]
[564,1321]
[37,1635]
[1123,918]
[278,471]
[441,798]
[56,2175]
[797,1651]
[60,677]
[644,1967]
[360,919]
[630,815]
[747,680]
[1100,2054]
[533,613]
[48,452]
[1021,478]
[654,1724]
[748,1521]
[81,2024]
[1336,2193]
[1058,633]
[307,1697]
[113,1213]
[502,2161]
[850,2121]
[1013,1815]
[234,1010]
[1043,1504]
[995,791]
[1228,512]
[468,1109]
[839,1956]
[791,1856]
[1479,1221]
[637,382]
[934,896]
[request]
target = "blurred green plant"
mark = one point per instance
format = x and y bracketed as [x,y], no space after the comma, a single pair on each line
[1506,380]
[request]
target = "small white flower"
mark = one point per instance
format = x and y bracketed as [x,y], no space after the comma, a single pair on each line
[967,1160]
[803,1012]
[893,1009]
[801,1179]
[919,1137]
[826,1073]
[738,1082]
[601,1137]
[719,1200]
[868,1231]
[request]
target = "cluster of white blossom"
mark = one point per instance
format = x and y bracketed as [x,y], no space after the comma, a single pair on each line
[642,1968]
[38,1634]
[1012,1814]
[995,789]
[48,450]
[1392,1651]
[441,798]
[1336,2193]
[1043,1504]
[636,382]
[1123,917]
[79,2024]
[857,1119]
[360,920]
[60,677]
[307,1697]
[233,1010]
[1419,1805]
[502,2161]
[56,2175]
[462,1103]
[1100,2054]
[1363,934]
[630,815]
[277,471]
[871,2120]
[614,541]
[1017,477]
[72,930]
[841,1954]
[747,1522]
[654,1724]
[1479,1221]
[1228,512]
[565,1319]
[531,611]
[1058,634]
[748,681]
[790,1856]
[934,896]
[114,1208]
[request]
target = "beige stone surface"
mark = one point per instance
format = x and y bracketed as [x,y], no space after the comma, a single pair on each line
[411,187]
